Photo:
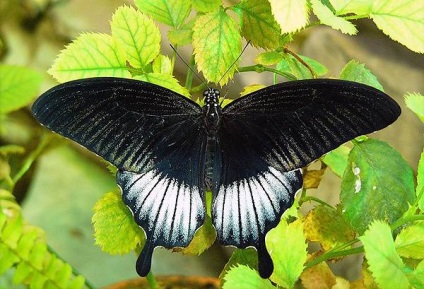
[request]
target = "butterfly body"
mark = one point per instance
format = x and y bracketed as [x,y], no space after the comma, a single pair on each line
[169,150]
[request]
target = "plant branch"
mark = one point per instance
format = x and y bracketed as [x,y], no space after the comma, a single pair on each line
[333,254]
[31,158]
[297,57]
[260,68]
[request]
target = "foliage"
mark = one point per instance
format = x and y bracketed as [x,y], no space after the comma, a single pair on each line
[23,247]
[381,210]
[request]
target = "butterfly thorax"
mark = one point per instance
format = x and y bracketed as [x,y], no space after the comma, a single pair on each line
[211,111]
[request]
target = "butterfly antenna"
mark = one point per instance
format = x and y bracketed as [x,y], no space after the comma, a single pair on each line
[234,62]
[188,66]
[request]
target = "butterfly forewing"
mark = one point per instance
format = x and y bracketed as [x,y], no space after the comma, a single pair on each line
[127,122]
[293,123]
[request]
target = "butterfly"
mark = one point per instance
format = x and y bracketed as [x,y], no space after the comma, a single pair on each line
[169,150]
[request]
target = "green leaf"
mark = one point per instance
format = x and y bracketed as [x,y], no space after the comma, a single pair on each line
[165,80]
[327,226]
[183,35]
[326,16]
[170,12]
[295,67]
[342,7]
[114,228]
[378,184]
[415,102]
[18,87]
[355,71]
[202,240]
[410,241]
[416,278]
[162,64]
[419,191]
[384,263]
[291,15]
[137,35]
[337,159]
[217,45]
[242,277]
[23,271]
[402,20]
[247,257]
[90,55]
[269,58]
[206,5]
[259,25]
[287,246]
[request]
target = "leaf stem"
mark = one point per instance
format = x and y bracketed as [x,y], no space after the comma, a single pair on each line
[260,68]
[333,254]
[297,57]
[31,158]
[151,280]
[405,220]
[312,198]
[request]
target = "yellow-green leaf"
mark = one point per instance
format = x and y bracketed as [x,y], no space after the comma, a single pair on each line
[243,277]
[269,58]
[183,35]
[419,190]
[326,16]
[355,71]
[251,88]
[170,12]
[18,87]
[384,263]
[259,25]
[410,241]
[206,5]
[114,227]
[162,64]
[287,246]
[137,35]
[165,80]
[337,159]
[291,15]
[415,102]
[327,226]
[204,238]
[401,20]
[358,7]
[90,55]
[217,45]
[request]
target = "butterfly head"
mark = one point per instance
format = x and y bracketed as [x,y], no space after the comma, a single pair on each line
[211,96]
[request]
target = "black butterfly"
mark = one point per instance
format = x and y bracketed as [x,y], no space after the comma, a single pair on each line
[169,150]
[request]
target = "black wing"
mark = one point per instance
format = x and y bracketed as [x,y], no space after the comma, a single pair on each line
[267,135]
[155,138]
[292,124]
[125,121]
